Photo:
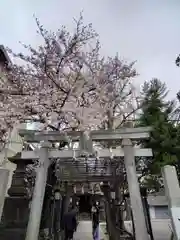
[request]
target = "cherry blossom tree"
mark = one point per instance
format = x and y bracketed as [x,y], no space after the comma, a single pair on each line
[66,84]
[117,76]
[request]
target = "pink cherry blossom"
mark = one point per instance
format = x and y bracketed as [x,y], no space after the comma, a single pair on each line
[66,83]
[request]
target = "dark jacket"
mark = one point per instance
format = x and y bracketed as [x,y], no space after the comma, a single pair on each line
[95,218]
[70,221]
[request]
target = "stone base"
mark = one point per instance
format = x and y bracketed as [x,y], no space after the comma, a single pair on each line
[14,219]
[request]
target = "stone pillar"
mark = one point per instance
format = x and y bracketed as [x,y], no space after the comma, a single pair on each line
[134,190]
[4,176]
[172,191]
[38,195]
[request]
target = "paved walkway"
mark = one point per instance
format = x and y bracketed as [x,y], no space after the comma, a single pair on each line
[161,229]
[84,231]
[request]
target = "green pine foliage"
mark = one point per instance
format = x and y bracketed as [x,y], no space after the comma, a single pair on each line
[156,111]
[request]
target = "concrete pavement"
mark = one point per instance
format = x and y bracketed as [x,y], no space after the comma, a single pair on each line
[161,230]
[84,231]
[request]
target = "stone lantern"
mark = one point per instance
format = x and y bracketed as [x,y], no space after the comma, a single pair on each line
[16,208]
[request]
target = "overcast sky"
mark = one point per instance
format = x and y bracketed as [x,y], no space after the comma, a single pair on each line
[144,30]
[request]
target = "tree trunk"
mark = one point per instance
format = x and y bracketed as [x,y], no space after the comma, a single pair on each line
[115,225]
[118,209]
[113,232]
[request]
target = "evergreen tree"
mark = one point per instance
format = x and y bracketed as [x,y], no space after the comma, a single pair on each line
[176,120]
[156,111]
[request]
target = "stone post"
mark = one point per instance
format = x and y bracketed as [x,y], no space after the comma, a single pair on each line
[38,194]
[134,191]
[172,191]
[4,176]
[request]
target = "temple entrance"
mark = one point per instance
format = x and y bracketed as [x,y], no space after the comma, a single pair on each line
[84,206]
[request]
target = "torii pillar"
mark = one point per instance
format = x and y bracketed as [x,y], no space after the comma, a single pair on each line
[134,191]
[38,194]
[172,190]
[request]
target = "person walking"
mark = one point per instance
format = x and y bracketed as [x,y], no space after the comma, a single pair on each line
[70,223]
[95,221]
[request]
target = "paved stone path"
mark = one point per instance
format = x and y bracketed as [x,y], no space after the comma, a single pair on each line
[84,231]
[161,229]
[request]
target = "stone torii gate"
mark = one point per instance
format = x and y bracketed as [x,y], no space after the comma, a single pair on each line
[45,154]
